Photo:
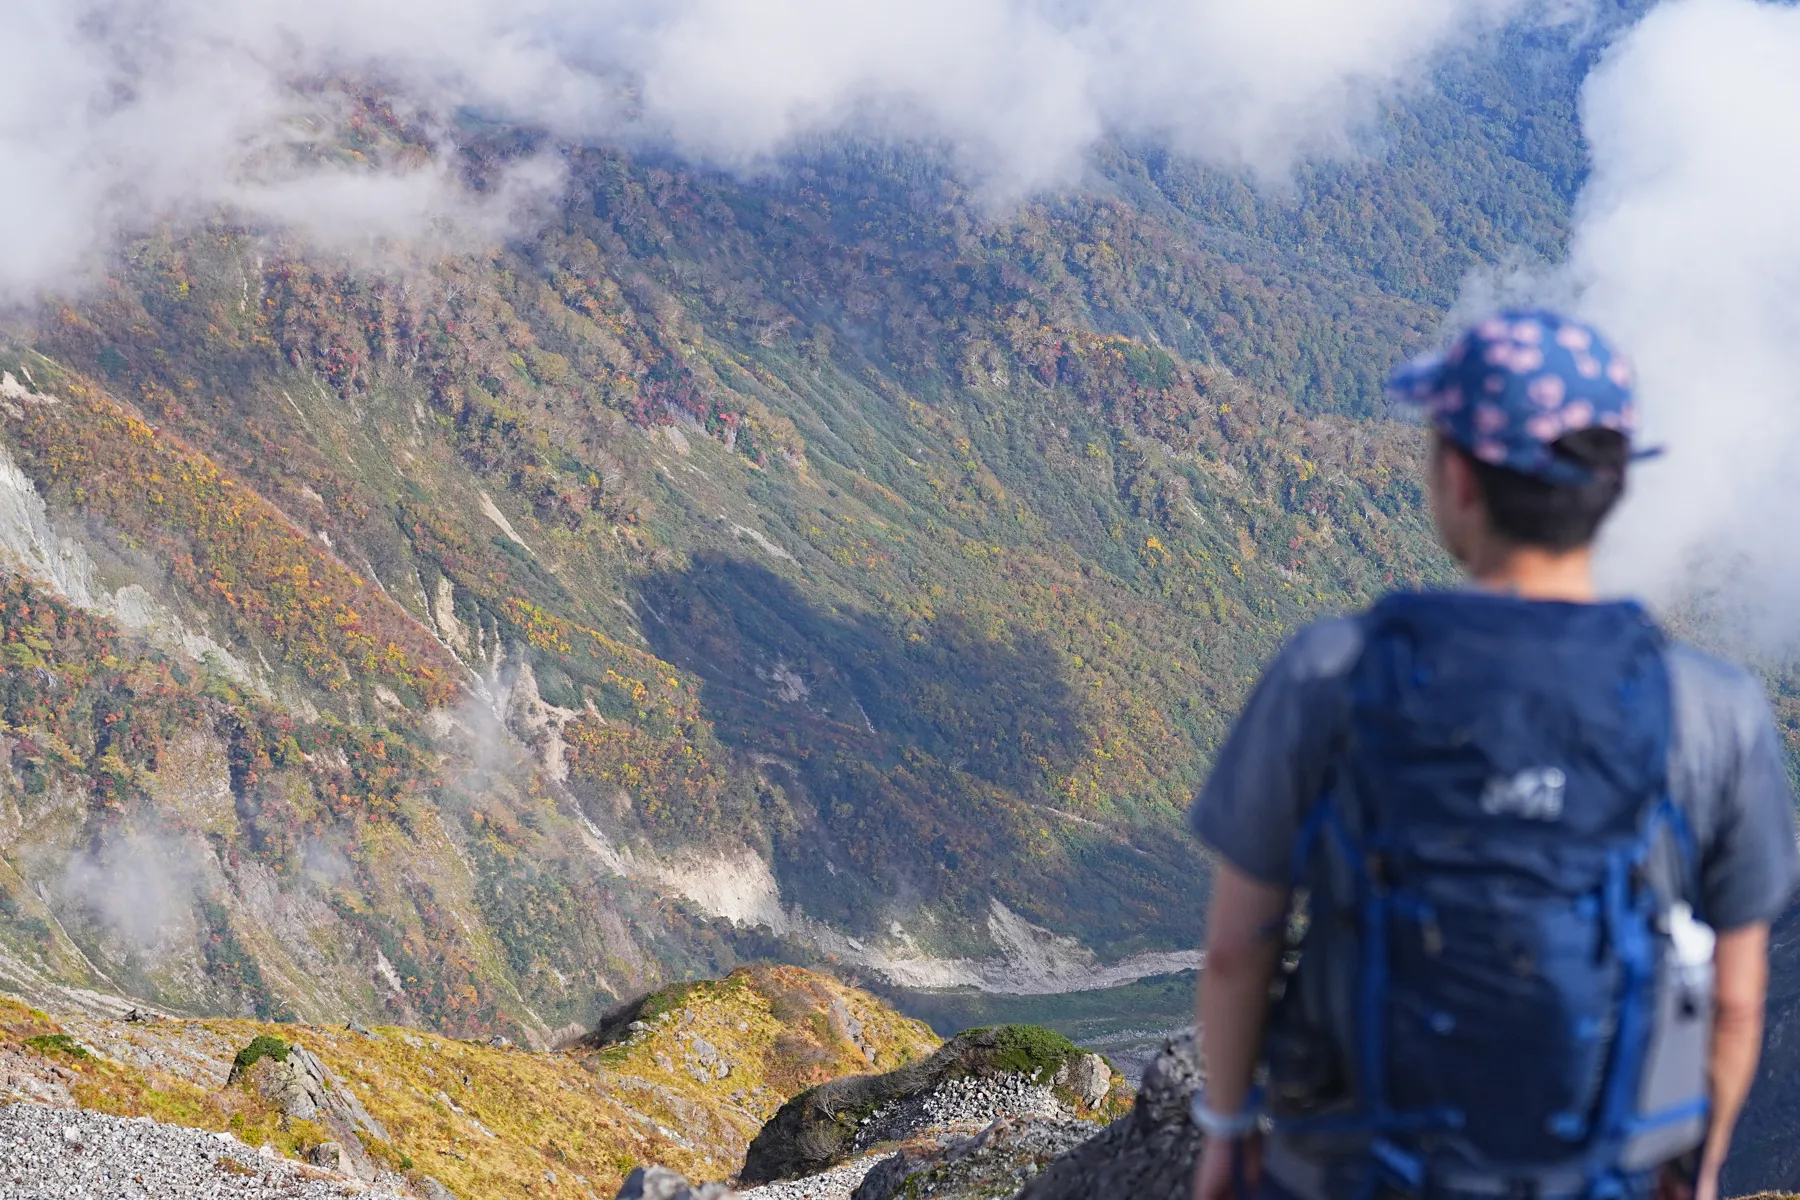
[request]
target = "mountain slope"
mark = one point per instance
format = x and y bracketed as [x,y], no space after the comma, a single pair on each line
[915,656]
[820,554]
[690,1087]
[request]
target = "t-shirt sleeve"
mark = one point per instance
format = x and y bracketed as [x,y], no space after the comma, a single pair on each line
[1273,762]
[1750,865]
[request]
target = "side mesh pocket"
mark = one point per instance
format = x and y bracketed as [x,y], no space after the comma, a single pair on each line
[1671,1109]
[1304,1047]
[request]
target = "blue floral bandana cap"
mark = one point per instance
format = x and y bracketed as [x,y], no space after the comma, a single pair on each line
[1512,385]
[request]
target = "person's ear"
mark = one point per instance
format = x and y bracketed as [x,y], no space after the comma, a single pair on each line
[1459,476]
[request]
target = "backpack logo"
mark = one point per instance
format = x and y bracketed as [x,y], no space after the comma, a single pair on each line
[1536,794]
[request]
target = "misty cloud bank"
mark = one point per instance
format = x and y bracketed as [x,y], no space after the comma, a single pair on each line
[115,114]
[1687,250]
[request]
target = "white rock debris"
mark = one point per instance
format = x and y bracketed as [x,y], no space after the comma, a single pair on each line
[970,1102]
[71,1154]
[835,1184]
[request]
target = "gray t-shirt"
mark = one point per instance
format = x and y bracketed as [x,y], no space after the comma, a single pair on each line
[1726,771]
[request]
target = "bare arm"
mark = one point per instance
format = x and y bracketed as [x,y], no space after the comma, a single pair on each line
[1243,947]
[1741,967]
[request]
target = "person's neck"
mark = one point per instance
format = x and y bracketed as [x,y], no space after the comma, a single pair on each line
[1531,573]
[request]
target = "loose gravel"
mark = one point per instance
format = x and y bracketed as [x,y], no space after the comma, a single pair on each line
[969,1102]
[71,1154]
[995,1162]
[835,1184]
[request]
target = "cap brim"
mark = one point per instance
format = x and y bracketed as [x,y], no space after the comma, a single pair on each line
[1410,387]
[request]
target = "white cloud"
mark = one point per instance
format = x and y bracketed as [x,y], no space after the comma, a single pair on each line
[118,113]
[1263,83]
[140,887]
[1021,90]
[1688,251]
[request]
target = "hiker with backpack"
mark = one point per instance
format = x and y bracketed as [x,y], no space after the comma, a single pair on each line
[1495,866]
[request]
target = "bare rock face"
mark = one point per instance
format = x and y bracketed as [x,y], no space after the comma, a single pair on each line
[660,1183]
[305,1088]
[331,1097]
[1148,1155]
[977,1076]
[1088,1077]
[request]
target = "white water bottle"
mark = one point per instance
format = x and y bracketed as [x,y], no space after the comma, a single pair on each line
[1672,1091]
[1691,943]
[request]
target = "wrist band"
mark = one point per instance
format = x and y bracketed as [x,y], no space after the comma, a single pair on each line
[1233,1128]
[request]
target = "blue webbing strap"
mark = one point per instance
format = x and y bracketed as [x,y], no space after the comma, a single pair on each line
[1670,814]
[1370,1020]
[1389,1163]
[1627,926]
[1628,920]
[1406,1169]
[1321,813]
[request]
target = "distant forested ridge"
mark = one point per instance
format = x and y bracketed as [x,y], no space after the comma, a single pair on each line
[825,539]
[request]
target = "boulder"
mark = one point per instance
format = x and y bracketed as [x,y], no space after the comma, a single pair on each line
[660,1183]
[1148,1155]
[1088,1077]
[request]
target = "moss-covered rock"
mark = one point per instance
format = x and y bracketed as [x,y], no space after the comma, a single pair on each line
[1148,1155]
[1029,1050]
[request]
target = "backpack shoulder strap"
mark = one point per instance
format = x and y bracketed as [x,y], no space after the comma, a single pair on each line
[1335,809]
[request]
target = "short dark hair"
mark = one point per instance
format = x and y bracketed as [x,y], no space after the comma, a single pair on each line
[1557,517]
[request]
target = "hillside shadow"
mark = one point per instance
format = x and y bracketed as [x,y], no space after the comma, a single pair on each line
[782,674]
[908,752]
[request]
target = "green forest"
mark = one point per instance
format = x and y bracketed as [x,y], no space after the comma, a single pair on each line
[921,550]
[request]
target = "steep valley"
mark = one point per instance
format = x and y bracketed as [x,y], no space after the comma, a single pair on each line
[820,566]
[483,643]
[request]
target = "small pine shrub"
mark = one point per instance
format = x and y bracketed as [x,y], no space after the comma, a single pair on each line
[261,1046]
[1032,1051]
[58,1043]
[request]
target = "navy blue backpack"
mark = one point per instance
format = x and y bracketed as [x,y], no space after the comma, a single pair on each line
[1486,999]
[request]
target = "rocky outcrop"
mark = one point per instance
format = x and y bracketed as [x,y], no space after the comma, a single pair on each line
[994,1162]
[1148,1155]
[479,1115]
[660,1183]
[305,1089]
[1088,1078]
[975,1078]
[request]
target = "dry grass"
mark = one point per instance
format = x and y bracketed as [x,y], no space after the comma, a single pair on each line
[505,1122]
